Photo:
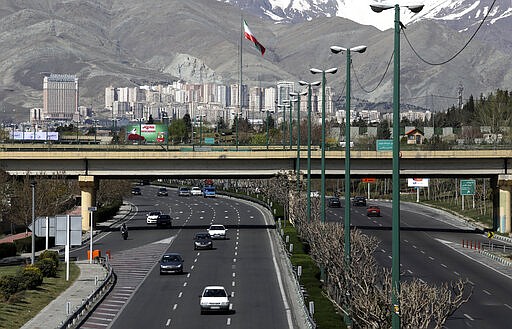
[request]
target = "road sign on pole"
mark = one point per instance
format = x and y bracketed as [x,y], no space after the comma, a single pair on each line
[384,145]
[467,187]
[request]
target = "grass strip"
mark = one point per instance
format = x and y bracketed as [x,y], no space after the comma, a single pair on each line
[30,302]
[326,315]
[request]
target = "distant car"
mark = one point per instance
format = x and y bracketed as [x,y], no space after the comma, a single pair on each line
[171,263]
[202,240]
[214,298]
[136,191]
[196,191]
[373,211]
[315,194]
[164,220]
[359,201]
[162,191]
[217,231]
[184,191]
[209,192]
[334,202]
[152,216]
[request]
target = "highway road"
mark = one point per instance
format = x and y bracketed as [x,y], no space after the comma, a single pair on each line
[431,250]
[244,263]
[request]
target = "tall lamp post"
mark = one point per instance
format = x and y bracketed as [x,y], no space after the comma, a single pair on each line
[322,197]
[297,165]
[267,111]
[336,50]
[308,197]
[33,255]
[395,267]
[284,106]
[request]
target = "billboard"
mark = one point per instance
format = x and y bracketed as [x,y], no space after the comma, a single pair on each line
[417,182]
[147,133]
[35,136]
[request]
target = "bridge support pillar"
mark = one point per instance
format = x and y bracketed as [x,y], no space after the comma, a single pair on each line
[88,187]
[504,214]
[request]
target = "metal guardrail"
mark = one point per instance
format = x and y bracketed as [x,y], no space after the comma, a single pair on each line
[81,314]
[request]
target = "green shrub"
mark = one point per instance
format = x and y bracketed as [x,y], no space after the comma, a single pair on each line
[30,277]
[47,267]
[50,254]
[7,249]
[9,285]
[106,212]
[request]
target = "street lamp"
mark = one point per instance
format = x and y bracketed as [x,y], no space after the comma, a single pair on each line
[308,197]
[284,106]
[33,255]
[267,111]
[322,197]
[336,50]
[297,165]
[395,268]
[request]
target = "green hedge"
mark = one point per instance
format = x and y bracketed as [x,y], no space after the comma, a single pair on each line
[9,285]
[30,277]
[52,255]
[7,249]
[47,267]
[105,213]
[25,244]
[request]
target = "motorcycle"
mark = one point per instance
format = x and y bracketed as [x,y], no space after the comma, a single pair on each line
[124,233]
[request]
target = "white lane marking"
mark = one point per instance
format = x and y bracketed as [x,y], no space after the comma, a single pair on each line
[192,267]
[175,307]
[383,251]
[456,273]
[168,322]
[506,305]
[469,317]
[188,275]
[444,265]
[233,284]
[236,253]
[487,292]
[232,294]
[195,260]
[180,294]
[422,281]
[422,251]
[414,246]
[409,271]
[228,322]
[406,241]
[230,306]
[390,257]
[184,284]
[234,274]
[431,258]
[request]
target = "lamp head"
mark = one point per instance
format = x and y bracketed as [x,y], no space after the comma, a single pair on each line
[293,94]
[359,49]
[415,8]
[303,83]
[332,70]
[337,49]
[316,83]
[315,71]
[304,93]
[380,8]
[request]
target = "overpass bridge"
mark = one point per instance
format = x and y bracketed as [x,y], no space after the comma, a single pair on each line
[91,164]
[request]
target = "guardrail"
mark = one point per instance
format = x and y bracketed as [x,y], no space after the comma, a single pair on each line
[79,316]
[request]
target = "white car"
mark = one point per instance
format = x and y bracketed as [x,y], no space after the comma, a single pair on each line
[214,298]
[152,216]
[196,191]
[217,231]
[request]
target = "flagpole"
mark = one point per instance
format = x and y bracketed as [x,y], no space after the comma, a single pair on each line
[237,117]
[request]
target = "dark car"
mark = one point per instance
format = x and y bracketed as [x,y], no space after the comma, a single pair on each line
[202,240]
[136,191]
[164,220]
[359,201]
[334,202]
[162,191]
[171,263]
[373,211]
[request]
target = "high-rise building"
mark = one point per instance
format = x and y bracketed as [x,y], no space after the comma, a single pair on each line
[283,91]
[60,96]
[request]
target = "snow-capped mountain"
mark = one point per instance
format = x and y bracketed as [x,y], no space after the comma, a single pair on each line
[461,13]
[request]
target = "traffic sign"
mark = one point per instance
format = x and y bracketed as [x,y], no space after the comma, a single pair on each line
[467,187]
[384,145]
[368,180]
[490,235]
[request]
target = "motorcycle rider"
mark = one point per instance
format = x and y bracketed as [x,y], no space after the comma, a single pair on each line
[124,229]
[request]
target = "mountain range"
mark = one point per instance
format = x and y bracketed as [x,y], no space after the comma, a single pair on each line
[129,42]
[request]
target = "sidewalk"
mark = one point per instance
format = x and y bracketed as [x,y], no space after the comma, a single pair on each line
[90,278]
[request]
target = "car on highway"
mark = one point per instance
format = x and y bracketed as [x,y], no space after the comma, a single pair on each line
[203,240]
[184,191]
[217,231]
[214,298]
[334,202]
[136,191]
[171,263]
[162,191]
[196,191]
[373,211]
[164,220]
[152,216]
[359,201]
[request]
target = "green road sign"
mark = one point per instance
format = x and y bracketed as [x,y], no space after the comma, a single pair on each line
[209,140]
[384,145]
[467,187]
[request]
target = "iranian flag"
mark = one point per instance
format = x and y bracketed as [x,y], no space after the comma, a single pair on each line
[249,36]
